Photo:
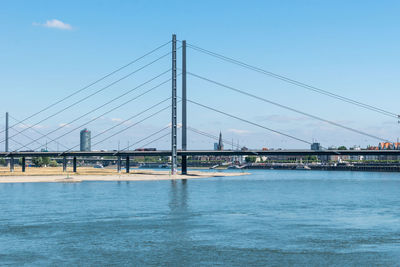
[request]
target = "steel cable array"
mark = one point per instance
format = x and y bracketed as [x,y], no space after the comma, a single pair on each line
[288,108]
[248,122]
[23,134]
[110,110]
[208,52]
[91,84]
[212,137]
[125,121]
[294,82]
[145,138]
[94,93]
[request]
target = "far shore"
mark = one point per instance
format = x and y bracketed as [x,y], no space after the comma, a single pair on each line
[55,174]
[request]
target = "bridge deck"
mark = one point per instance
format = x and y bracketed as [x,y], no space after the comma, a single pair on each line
[292,152]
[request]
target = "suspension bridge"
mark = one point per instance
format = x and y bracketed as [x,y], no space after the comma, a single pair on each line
[27,126]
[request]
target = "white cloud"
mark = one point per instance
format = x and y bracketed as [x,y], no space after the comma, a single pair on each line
[63,125]
[238,131]
[54,23]
[121,121]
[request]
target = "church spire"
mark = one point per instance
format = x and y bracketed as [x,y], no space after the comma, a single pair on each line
[220,144]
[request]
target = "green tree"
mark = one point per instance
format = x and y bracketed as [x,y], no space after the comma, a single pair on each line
[3,161]
[342,148]
[37,161]
[251,159]
[53,163]
[311,158]
[150,159]
[46,161]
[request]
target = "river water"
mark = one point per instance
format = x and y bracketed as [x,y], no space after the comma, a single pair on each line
[271,217]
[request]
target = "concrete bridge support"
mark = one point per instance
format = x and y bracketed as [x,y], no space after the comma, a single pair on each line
[12,164]
[74,164]
[64,164]
[23,164]
[127,164]
[119,164]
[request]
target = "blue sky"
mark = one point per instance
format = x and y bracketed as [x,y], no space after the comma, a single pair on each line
[346,47]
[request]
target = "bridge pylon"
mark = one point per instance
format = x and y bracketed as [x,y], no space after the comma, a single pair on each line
[174,118]
[184,118]
[6,139]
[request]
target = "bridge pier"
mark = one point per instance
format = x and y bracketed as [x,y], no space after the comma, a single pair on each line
[74,164]
[12,164]
[184,165]
[23,164]
[119,164]
[64,164]
[184,122]
[127,164]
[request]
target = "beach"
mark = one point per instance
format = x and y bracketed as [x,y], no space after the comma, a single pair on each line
[55,174]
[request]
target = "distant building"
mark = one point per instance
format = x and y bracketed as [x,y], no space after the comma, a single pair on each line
[220,143]
[215,146]
[385,146]
[85,140]
[389,146]
[316,146]
[372,157]
[356,157]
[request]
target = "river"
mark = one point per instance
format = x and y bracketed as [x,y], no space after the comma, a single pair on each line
[271,217]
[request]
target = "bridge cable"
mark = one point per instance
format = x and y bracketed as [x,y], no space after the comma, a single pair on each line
[152,115]
[136,123]
[212,137]
[96,92]
[141,140]
[294,82]
[86,123]
[93,83]
[12,139]
[249,122]
[23,134]
[157,139]
[126,128]
[108,102]
[288,108]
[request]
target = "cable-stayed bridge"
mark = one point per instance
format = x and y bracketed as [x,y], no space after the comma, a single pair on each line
[24,127]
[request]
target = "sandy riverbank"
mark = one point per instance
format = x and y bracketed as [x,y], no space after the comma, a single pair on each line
[37,175]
